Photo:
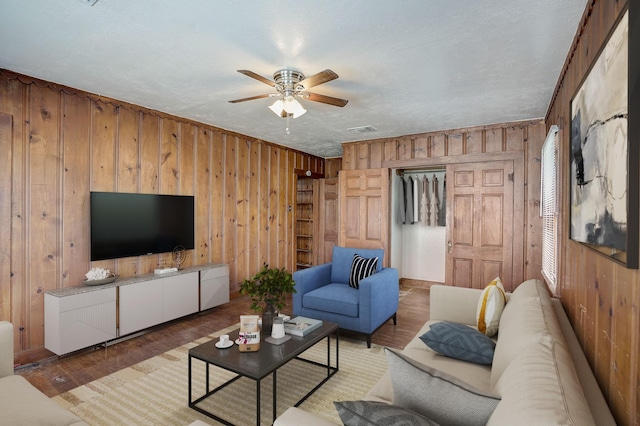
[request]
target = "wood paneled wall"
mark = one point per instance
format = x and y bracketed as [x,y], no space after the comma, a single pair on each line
[600,296]
[58,144]
[520,141]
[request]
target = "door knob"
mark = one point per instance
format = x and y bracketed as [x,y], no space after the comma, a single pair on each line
[449,246]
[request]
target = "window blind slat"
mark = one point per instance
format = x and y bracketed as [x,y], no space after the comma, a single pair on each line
[548,208]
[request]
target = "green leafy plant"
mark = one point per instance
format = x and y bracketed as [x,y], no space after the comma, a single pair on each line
[268,287]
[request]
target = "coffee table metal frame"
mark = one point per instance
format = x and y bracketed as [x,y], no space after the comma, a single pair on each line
[265,362]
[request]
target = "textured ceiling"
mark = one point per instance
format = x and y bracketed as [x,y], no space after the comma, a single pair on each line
[405,66]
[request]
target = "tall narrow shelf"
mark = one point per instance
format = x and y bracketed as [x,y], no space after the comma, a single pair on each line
[306,222]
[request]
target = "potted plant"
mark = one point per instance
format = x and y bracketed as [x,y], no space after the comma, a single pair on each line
[268,289]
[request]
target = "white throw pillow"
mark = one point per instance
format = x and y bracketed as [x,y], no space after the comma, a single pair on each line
[490,307]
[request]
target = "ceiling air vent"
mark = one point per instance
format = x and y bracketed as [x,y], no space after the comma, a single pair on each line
[363,129]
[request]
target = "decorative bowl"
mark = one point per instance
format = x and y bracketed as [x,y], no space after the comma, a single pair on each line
[102,281]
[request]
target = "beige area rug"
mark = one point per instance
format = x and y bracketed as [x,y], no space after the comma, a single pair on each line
[155,391]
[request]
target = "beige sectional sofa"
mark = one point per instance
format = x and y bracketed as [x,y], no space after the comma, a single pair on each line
[539,374]
[20,402]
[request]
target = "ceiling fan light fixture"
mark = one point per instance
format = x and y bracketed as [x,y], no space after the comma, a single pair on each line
[292,106]
[288,106]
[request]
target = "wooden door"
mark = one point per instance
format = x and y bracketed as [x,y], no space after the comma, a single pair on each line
[364,209]
[480,225]
[329,218]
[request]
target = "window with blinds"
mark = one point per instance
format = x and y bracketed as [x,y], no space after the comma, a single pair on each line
[548,207]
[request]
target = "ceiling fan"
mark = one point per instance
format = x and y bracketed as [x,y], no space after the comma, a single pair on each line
[289,85]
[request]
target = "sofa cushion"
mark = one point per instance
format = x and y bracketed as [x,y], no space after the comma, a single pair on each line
[437,395]
[372,413]
[361,268]
[540,386]
[460,342]
[526,319]
[490,306]
[341,260]
[336,298]
[23,404]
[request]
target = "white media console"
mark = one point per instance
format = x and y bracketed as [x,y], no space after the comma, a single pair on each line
[79,317]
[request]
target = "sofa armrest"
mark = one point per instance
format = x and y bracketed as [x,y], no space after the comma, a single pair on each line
[379,294]
[456,304]
[6,349]
[307,280]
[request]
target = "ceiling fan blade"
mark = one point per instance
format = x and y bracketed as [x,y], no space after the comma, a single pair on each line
[258,77]
[325,99]
[235,101]
[320,78]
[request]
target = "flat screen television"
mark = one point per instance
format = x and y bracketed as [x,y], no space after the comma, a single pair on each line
[126,224]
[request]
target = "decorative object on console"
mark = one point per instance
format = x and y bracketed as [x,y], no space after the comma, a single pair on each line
[268,289]
[179,255]
[490,307]
[99,276]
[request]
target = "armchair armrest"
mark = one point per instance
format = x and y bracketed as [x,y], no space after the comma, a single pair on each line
[379,294]
[6,349]
[456,304]
[307,280]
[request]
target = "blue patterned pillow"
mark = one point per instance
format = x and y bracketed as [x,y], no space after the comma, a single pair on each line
[361,268]
[459,341]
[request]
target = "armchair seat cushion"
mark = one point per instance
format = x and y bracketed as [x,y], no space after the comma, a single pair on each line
[335,298]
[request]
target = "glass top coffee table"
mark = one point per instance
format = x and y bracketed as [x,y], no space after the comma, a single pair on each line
[260,364]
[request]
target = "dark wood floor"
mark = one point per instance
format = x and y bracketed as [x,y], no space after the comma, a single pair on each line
[60,374]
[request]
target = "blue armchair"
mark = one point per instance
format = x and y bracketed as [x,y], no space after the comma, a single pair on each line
[323,292]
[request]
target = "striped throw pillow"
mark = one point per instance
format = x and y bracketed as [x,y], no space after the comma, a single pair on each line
[361,268]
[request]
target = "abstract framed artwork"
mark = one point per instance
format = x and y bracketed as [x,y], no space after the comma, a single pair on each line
[604,160]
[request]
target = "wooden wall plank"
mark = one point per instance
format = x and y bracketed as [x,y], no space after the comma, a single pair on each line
[264,221]
[281,217]
[273,206]
[186,171]
[6,142]
[149,171]
[474,141]
[216,168]
[128,171]
[76,251]
[242,208]
[254,208]
[44,206]
[493,139]
[230,209]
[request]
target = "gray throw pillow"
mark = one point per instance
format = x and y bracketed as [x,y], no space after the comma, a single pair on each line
[460,341]
[436,395]
[374,413]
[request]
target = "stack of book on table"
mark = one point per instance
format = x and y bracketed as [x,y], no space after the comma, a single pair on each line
[301,326]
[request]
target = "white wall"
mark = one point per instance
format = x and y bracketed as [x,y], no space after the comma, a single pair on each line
[417,251]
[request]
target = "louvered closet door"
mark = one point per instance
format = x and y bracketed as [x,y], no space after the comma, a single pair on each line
[364,209]
[480,223]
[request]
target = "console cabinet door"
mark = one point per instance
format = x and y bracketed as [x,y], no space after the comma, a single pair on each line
[79,321]
[180,295]
[214,287]
[141,306]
